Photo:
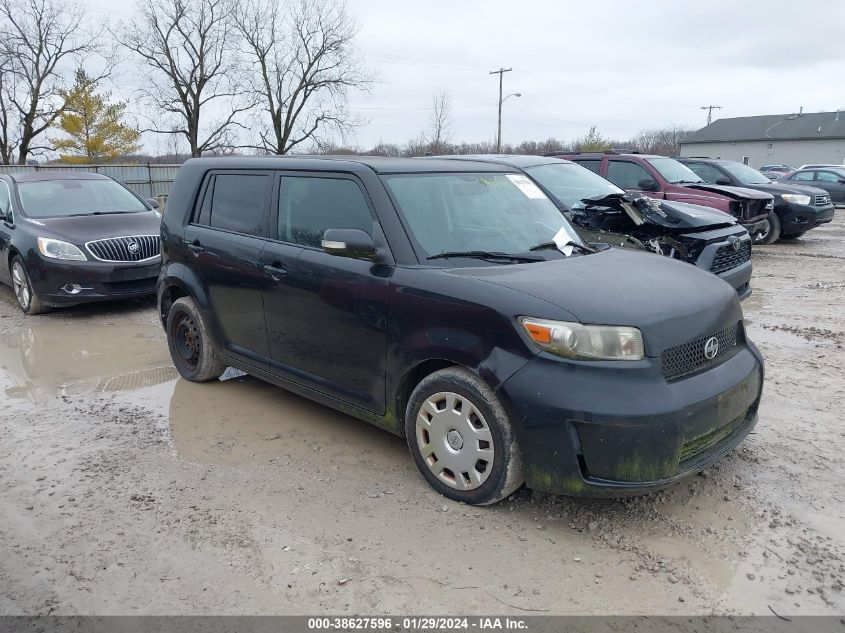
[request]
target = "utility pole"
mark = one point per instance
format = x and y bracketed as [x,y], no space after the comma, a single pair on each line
[500,72]
[710,109]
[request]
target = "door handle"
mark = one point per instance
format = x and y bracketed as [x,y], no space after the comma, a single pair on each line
[275,271]
[196,248]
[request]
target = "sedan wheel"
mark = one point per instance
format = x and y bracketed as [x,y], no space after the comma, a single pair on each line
[455,441]
[771,234]
[28,301]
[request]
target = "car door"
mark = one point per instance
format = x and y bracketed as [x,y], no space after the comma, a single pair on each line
[631,176]
[226,236]
[326,315]
[7,224]
[832,182]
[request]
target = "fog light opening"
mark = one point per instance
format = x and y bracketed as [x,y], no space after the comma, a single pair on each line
[72,289]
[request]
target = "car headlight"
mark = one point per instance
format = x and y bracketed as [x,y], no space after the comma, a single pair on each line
[57,249]
[585,342]
[796,198]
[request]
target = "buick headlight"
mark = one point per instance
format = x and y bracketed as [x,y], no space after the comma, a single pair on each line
[57,249]
[585,342]
[796,198]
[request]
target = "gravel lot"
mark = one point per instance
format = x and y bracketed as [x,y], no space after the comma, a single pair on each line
[126,490]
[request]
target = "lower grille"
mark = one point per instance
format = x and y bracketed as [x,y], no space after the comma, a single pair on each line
[133,285]
[133,248]
[821,200]
[727,258]
[707,441]
[691,357]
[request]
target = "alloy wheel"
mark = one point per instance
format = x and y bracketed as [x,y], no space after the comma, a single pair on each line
[455,441]
[20,285]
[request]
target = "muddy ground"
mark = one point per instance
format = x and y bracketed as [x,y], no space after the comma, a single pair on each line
[126,490]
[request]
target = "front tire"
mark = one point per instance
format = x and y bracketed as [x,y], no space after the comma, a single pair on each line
[461,438]
[772,233]
[190,344]
[28,301]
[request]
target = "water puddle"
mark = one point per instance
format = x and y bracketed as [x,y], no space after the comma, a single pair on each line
[45,359]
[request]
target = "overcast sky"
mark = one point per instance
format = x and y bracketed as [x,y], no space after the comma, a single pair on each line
[621,65]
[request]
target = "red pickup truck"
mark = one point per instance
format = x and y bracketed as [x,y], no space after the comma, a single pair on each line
[667,179]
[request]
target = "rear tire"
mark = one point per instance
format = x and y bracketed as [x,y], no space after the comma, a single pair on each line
[28,301]
[772,234]
[461,438]
[190,344]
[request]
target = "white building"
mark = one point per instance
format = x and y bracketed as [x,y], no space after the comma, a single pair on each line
[789,139]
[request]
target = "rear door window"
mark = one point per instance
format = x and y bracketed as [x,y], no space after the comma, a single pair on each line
[310,205]
[235,202]
[626,174]
[828,176]
[593,164]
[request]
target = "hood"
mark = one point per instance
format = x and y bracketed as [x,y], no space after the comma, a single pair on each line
[778,188]
[665,213]
[85,228]
[670,301]
[735,193]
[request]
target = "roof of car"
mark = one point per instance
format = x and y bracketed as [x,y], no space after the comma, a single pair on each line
[520,161]
[607,153]
[378,164]
[31,176]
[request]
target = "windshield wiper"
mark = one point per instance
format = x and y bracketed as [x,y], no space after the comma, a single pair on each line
[494,255]
[79,215]
[554,245]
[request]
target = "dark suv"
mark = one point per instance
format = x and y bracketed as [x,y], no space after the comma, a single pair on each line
[797,208]
[452,303]
[667,179]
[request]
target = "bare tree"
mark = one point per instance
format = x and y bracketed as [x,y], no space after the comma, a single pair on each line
[189,47]
[304,67]
[39,41]
[666,141]
[439,132]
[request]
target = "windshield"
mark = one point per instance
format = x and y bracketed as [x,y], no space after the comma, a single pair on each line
[62,198]
[570,184]
[673,171]
[461,212]
[745,175]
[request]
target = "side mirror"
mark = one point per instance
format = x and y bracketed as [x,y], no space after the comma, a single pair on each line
[647,184]
[349,243]
[842,181]
[723,180]
[152,202]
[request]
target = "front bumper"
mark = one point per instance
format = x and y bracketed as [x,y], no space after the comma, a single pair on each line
[799,218]
[89,280]
[612,429]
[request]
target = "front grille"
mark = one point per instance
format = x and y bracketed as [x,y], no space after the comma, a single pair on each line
[748,211]
[690,357]
[727,258]
[134,248]
[822,200]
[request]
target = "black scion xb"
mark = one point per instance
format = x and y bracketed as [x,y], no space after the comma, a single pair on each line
[75,237]
[453,304]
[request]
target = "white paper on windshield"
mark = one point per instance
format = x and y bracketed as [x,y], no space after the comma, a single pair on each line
[562,241]
[526,186]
